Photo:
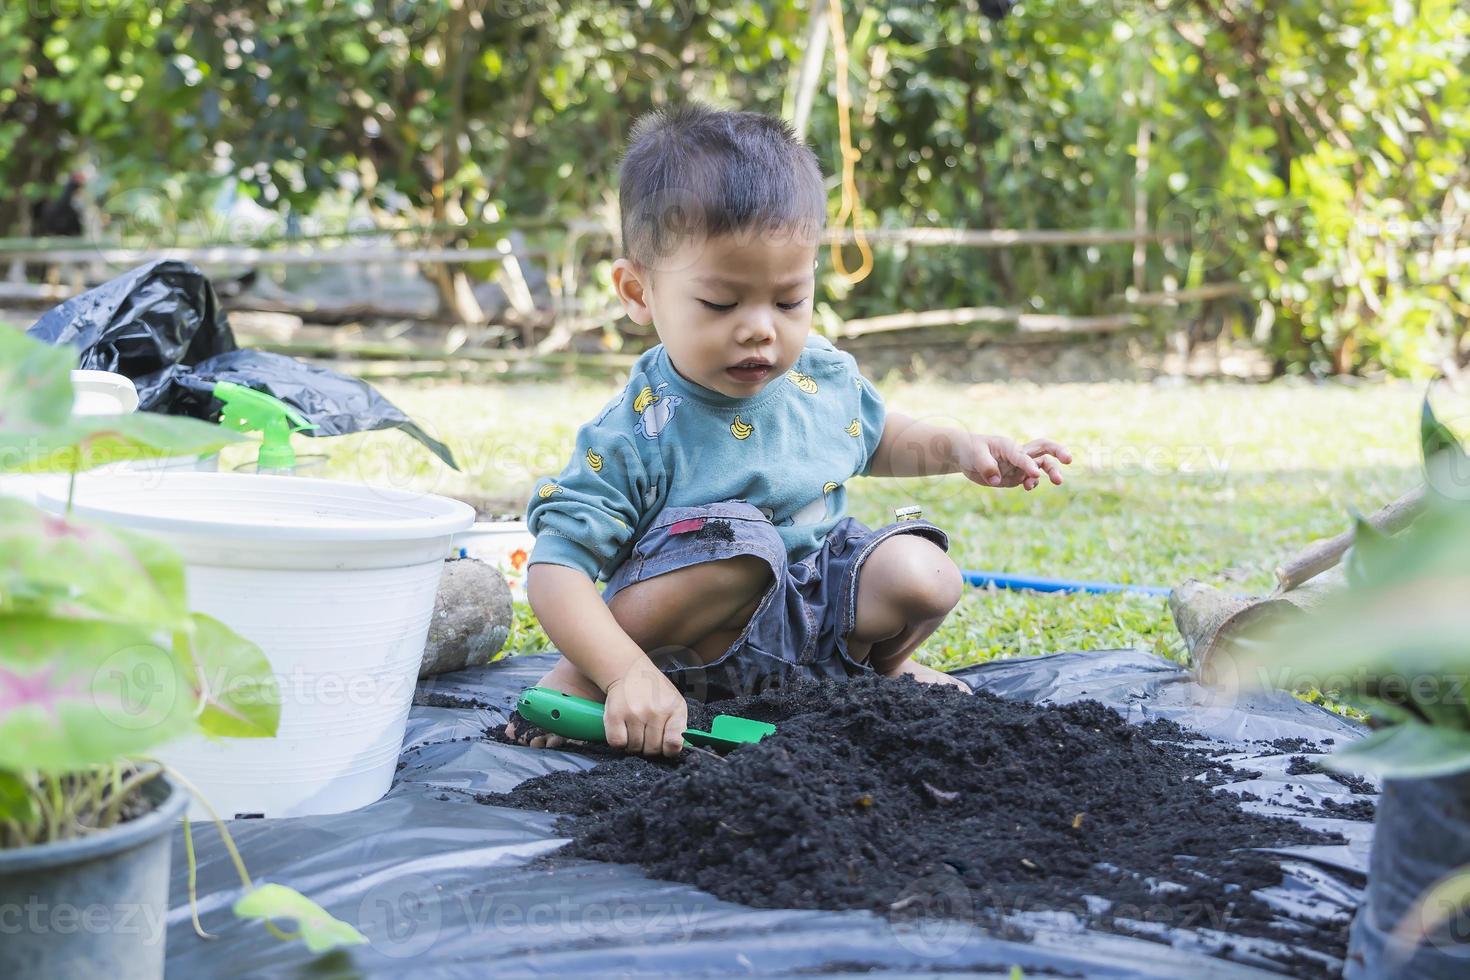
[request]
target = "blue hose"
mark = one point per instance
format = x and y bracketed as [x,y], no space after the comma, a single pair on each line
[1037,583]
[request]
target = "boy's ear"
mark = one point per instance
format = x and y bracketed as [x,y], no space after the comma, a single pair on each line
[630,284]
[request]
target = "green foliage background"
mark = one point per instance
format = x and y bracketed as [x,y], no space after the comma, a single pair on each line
[1313,149]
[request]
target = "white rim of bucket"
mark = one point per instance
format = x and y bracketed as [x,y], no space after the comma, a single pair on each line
[90,500]
[497,528]
[115,387]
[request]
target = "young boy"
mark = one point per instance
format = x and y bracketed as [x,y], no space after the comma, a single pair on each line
[710,493]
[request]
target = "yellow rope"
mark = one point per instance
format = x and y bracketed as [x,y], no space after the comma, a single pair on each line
[852,205]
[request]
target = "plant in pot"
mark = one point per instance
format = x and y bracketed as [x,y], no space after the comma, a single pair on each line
[101,661]
[1396,644]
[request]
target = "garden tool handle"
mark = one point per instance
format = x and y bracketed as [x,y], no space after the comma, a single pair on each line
[562,714]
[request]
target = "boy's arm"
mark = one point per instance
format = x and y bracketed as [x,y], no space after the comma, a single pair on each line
[570,609]
[645,713]
[912,447]
[584,520]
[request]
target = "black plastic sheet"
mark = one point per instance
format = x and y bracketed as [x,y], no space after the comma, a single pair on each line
[443,886]
[161,325]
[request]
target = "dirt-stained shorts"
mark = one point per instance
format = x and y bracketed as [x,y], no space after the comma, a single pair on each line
[801,626]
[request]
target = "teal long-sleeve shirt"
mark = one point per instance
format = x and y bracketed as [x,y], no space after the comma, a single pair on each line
[664,441]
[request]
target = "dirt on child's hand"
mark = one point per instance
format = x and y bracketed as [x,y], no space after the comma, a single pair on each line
[645,714]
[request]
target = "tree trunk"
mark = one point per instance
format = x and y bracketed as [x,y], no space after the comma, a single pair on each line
[809,72]
[456,296]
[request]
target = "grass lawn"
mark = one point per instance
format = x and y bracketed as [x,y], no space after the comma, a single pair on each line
[1214,481]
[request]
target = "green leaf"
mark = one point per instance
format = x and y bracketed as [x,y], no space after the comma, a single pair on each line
[16,802]
[1384,711]
[1372,552]
[1446,467]
[232,680]
[1411,750]
[319,930]
[76,693]
[35,382]
[1434,436]
[69,567]
[1412,628]
[97,440]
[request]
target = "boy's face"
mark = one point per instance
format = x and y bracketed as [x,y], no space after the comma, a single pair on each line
[724,302]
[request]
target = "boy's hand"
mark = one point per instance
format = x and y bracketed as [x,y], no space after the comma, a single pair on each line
[645,713]
[995,461]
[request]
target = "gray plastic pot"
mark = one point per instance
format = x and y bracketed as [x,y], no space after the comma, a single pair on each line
[1421,833]
[92,907]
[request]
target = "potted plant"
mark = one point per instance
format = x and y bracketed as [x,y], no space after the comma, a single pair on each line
[101,661]
[1396,644]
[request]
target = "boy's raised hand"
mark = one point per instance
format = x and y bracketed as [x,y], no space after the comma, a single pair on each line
[645,714]
[995,461]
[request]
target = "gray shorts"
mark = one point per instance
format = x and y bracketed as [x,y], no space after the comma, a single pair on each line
[801,626]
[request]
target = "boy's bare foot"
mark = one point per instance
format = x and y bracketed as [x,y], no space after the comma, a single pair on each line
[927,675]
[565,678]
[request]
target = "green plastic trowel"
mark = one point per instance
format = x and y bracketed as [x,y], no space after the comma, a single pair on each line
[578,718]
[248,410]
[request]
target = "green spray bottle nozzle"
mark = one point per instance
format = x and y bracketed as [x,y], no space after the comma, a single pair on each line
[248,410]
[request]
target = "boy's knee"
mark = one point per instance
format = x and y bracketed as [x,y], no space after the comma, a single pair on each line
[731,588]
[739,573]
[920,578]
[691,601]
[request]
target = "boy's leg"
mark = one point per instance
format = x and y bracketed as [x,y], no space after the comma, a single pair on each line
[700,608]
[906,588]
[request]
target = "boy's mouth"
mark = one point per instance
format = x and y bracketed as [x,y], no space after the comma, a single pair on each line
[750,370]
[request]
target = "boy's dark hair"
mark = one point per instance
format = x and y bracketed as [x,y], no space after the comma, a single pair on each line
[694,171]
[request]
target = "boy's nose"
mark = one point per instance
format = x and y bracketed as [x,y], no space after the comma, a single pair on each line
[759,325]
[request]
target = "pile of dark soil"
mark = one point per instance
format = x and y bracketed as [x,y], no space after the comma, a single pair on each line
[905,798]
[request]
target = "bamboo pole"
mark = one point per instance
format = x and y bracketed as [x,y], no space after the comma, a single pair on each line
[67,251]
[1177,297]
[1324,553]
[992,316]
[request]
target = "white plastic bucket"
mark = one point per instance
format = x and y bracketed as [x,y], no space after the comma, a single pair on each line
[101,393]
[93,393]
[335,582]
[505,545]
[105,393]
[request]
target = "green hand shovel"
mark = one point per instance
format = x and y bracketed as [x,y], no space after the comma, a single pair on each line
[573,717]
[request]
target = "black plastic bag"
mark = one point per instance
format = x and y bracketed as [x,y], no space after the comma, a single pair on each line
[161,325]
[336,403]
[146,324]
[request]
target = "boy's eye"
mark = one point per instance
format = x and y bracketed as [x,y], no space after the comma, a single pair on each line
[727,307]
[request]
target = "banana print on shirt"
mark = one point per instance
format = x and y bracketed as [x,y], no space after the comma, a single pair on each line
[818,510]
[805,382]
[655,410]
[790,456]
